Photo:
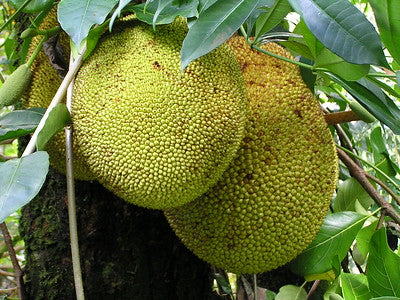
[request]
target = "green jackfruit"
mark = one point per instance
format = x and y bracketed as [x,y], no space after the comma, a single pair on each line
[270,203]
[15,86]
[43,87]
[157,136]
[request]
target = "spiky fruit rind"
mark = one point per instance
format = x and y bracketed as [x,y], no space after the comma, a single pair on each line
[157,136]
[44,85]
[270,203]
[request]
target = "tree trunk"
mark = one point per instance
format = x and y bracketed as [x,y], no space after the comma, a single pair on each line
[126,252]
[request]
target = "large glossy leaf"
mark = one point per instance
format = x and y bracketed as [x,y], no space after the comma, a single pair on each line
[34,5]
[388,20]
[272,17]
[333,240]
[20,181]
[59,117]
[19,123]
[349,192]
[380,109]
[204,4]
[213,27]
[312,42]
[291,292]
[157,13]
[78,16]
[355,286]
[343,29]
[383,267]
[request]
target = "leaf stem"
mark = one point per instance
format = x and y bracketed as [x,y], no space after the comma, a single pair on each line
[17,269]
[255,286]
[15,14]
[58,97]
[36,52]
[73,227]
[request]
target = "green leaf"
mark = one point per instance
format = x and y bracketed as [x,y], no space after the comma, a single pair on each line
[332,62]
[314,45]
[272,17]
[348,193]
[364,237]
[355,286]
[343,29]
[204,4]
[117,12]
[398,78]
[78,16]
[291,292]
[386,298]
[20,181]
[224,283]
[153,14]
[19,123]
[383,267]
[58,118]
[34,5]
[333,289]
[213,27]
[333,240]
[382,110]
[388,21]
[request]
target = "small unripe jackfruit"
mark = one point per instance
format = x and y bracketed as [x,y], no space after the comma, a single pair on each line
[15,86]
[43,87]
[271,201]
[155,135]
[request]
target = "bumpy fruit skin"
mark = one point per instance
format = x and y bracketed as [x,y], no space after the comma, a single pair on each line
[15,86]
[44,84]
[154,135]
[270,203]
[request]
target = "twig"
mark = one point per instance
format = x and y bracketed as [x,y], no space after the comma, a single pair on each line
[4,291]
[381,220]
[385,187]
[313,289]
[5,273]
[17,269]
[5,157]
[360,175]
[255,288]
[73,227]
[341,117]
[58,97]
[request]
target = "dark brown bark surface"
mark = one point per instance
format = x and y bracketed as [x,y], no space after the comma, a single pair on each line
[127,252]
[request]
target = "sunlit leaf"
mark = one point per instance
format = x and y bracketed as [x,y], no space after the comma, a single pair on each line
[355,286]
[20,181]
[213,27]
[343,29]
[348,193]
[151,13]
[291,292]
[333,240]
[272,17]
[383,267]
[58,118]
[364,237]
[78,16]
[19,123]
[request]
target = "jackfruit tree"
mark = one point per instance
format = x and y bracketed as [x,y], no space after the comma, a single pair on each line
[199,149]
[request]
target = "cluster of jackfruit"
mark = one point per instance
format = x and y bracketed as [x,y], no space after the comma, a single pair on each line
[44,84]
[270,203]
[233,147]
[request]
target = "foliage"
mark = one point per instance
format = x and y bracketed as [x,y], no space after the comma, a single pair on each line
[348,51]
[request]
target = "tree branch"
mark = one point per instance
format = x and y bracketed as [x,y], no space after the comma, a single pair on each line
[384,186]
[360,175]
[17,269]
[341,117]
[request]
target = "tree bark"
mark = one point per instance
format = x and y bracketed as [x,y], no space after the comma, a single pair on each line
[127,252]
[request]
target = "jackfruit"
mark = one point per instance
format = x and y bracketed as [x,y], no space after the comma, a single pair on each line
[154,135]
[15,86]
[44,85]
[271,201]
